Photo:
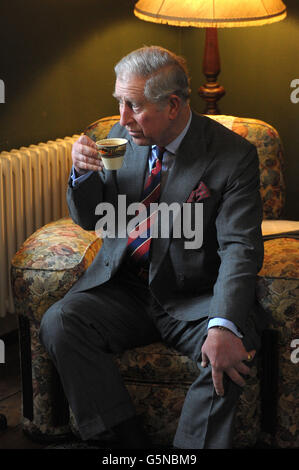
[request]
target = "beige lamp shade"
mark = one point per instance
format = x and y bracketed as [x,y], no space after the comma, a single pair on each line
[211,13]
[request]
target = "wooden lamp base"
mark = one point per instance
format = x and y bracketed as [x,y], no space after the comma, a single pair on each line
[211,92]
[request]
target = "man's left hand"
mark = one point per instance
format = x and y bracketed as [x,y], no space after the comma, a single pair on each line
[226,353]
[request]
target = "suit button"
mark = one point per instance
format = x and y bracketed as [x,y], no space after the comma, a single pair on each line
[106,262]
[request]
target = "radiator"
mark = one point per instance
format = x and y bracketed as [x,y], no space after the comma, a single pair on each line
[33,183]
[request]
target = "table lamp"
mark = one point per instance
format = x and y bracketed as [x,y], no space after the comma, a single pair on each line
[211,14]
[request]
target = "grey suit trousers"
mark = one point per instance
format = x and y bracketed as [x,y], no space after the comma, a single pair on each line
[81,333]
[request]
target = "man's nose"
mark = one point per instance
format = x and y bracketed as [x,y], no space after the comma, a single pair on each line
[126,115]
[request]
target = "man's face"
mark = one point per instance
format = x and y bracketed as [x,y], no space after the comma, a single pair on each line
[146,122]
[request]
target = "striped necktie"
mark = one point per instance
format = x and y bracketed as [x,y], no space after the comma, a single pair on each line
[139,239]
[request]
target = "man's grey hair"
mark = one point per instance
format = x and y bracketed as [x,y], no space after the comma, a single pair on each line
[166,72]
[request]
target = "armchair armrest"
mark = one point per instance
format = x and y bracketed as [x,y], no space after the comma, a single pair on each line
[49,262]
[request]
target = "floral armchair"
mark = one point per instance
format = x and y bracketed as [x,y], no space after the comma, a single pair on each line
[52,260]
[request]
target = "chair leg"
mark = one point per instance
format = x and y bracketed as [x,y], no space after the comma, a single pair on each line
[60,407]
[269,381]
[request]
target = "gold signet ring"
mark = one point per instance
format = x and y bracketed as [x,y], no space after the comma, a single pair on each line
[249,357]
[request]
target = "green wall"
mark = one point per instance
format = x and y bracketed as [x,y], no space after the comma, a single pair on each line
[56,60]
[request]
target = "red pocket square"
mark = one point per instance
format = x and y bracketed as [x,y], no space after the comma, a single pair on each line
[199,193]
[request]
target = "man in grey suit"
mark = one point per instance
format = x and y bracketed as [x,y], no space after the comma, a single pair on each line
[199,300]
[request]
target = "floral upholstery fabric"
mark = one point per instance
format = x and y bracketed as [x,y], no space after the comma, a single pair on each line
[49,263]
[43,270]
[54,258]
[158,378]
[100,129]
[154,374]
[262,135]
[281,258]
[278,293]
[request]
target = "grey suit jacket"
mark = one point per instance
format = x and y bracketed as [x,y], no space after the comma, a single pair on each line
[217,279]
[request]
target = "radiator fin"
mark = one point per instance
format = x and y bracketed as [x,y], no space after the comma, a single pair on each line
[33,182]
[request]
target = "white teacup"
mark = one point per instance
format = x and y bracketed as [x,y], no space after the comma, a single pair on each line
[112,152]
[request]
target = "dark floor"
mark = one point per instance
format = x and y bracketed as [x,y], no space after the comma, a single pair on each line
[10,399]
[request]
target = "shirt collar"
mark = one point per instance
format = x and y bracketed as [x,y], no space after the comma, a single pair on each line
[174,145]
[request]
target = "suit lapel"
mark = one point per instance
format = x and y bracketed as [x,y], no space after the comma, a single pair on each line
[190,163]
[130,177]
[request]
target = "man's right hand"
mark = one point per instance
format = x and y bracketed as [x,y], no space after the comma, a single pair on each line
[85,156]
[226,354]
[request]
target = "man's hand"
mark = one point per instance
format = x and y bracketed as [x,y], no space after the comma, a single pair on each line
[85,156]
[226,353]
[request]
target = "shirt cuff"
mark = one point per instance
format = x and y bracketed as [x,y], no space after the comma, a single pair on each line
[226,324]
[76,180]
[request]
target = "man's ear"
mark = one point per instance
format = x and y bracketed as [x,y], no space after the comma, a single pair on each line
[174,106]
